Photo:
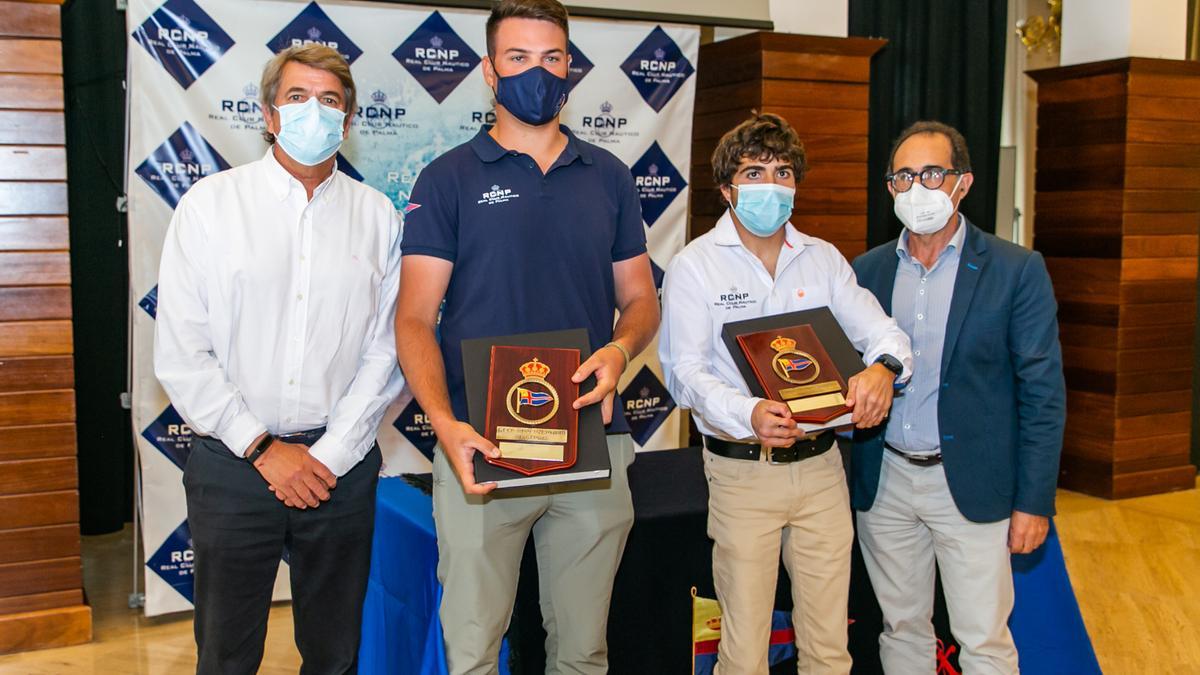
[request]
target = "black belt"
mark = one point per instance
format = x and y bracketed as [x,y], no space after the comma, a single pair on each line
[918,460]
[303,437]
[800,450]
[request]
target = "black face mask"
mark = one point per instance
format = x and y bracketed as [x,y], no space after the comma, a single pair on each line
[534,96]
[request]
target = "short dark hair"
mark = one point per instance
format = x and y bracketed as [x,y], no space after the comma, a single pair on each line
[959,156]
[542,10]
[765,136]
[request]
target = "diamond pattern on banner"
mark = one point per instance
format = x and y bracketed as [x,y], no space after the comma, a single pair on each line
[579,68]
[347,168]
[658,274]
[184,158]
[436,57]
[414,425]
[183,39]
[647,404]
[313,26]
[173,561]
[150,302]
[658,182]
[171,435]
[657,68]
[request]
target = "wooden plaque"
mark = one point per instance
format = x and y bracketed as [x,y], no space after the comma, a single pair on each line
[793,367]
[529,413]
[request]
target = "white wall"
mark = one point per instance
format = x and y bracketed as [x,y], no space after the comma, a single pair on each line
[1098,30]
[806,17]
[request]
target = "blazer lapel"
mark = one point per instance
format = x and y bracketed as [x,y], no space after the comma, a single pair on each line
[970,267]
[885,282]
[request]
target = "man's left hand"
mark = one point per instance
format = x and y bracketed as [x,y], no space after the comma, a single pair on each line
[870,395]
[1026,532]
[607,363]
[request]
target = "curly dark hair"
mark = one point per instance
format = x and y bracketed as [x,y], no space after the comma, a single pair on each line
[765,136]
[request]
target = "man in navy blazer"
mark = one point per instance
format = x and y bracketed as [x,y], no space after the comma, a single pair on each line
[964,469]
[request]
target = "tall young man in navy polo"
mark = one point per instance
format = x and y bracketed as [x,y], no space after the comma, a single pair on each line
[524,228]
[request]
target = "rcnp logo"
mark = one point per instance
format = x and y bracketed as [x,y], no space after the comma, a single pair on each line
[184,158]
[174,561]
[183,39]
[246,109]
[734,296]
[657,68]
[382,117]
[413,424]
[477,118]
[647,404]
[657,181]
[497,195]
[436,57]
[606,127]
[313,26]
[734,299]
[171,436]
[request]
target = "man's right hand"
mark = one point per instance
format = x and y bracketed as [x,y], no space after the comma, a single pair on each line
[295,476]
[773,424]
[460,442]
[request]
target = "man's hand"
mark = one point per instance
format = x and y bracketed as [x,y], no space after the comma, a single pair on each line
[773,424]
[460,442]
[607,363]
[296,478]
[1026,532]
[870,395]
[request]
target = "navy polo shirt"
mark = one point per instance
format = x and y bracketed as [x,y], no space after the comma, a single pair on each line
[531,252]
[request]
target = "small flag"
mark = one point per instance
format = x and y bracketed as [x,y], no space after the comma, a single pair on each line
[706,635]
[532,398]
[794,365]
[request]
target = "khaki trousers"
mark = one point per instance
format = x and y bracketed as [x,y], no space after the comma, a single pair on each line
[755,510]
[579,530]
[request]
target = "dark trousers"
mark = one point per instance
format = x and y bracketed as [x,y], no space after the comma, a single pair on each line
[239,532]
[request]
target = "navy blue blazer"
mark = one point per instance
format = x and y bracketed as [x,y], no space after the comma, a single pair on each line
[1002,404]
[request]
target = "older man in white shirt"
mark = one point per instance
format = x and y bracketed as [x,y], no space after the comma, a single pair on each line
[795,497]
[275,342]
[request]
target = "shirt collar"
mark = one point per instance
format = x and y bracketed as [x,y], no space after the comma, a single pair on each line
[282,183]
[955,244]
[488,150]
[726,234]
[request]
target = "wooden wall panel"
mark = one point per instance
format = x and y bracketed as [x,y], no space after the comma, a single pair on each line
[1118,217]
[41,596]
[821,87]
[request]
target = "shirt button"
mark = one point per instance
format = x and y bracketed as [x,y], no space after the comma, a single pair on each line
[922,279]
[917,353]
[920,317]
[922,291]
[291,382]
[906,426]
[290,419]
[300,296]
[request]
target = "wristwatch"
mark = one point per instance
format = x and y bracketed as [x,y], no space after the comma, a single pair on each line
[259,449]
[891,363]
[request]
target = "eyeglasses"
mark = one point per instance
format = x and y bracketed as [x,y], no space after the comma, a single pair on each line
[931,177]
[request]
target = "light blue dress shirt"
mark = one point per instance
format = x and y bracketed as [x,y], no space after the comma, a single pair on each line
[921,305]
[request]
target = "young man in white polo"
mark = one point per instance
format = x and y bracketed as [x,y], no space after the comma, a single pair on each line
[793,497]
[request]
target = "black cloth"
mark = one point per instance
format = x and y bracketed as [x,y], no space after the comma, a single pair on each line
[944,61]
[240,531]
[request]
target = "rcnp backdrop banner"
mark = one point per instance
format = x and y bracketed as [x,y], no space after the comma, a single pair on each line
[194,69]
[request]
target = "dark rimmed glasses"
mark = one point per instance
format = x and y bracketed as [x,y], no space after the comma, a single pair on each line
[931,178]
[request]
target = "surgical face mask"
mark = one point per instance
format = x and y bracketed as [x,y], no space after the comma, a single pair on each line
[309,132]
[534,96]
[763,208]
[924,211]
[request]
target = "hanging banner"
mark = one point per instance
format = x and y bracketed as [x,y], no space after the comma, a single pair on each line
[194,70]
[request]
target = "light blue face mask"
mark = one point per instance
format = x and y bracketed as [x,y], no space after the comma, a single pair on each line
[309,132]
[763,208]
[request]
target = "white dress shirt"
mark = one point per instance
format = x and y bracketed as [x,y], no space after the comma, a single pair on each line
[716,280]
[275,313]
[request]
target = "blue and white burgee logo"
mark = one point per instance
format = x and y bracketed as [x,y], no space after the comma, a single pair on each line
[313,26]
[647,404]
[658,182]
[174,563]
[414,425]
[184,158]
[347,168]
[436,57]
[150,302]
[579,68]
[184,40]
[657,68]
[171,435]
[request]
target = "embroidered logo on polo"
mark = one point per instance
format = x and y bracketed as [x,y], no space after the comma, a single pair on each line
[381,116]
[734,299]
[184,158]
[347,168]
[579,68]
[171,435]
[150,302]
[647,404]
[313,26]
[414,425]
[241,111]
[173,561]
[657,68]
[436,57]
[183,39]
[497,195]
[658,182]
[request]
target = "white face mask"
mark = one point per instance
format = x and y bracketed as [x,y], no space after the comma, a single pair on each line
[924,211]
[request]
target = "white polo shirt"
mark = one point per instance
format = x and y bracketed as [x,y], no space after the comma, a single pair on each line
[716,280]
